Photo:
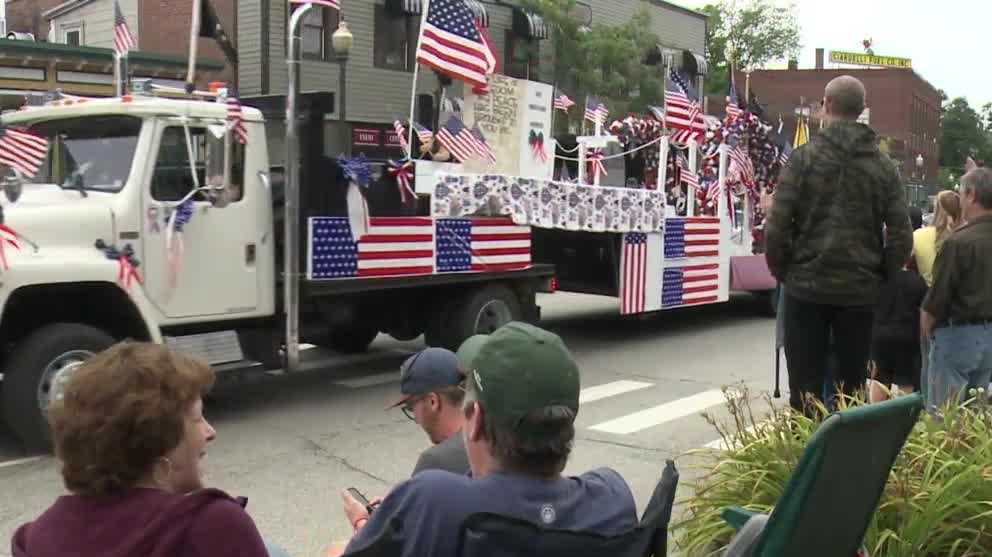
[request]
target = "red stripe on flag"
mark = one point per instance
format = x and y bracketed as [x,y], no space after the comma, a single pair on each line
[422,270]
[378,255]
[698,289]
[395,238]
[702,242]
[701,231]
[499,237]
[501,251]
[703,254]
[698,301]
[701,267]
[493,221]
[700,278]
[702,220]
[499,266]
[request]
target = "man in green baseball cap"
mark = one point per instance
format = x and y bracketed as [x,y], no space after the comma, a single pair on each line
[521,400]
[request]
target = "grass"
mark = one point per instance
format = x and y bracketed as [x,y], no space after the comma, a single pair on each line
[937,502]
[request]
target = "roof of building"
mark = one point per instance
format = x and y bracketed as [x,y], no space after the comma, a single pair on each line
[678,8]
[65,8]
[24,49]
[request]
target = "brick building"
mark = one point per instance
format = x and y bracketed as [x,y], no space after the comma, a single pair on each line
[24,16]
[903,108]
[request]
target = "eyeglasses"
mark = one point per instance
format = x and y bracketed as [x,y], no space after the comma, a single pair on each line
[409,406]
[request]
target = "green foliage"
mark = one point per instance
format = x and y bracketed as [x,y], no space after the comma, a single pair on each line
[604,61]
[747,34]
[964,134]
[938,500]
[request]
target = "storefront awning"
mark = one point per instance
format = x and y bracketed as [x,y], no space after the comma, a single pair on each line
[683,60]
[693,64]
[530,25]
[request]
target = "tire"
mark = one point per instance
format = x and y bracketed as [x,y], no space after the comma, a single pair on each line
[34,369]
[354,339]
[479,311]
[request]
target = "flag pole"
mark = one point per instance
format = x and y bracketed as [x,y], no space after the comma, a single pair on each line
[426,6]
[118,90]
[194,32]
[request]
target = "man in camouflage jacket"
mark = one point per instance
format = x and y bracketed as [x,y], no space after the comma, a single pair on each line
[838,226]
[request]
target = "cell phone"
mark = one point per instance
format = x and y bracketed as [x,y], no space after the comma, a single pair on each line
[361,499]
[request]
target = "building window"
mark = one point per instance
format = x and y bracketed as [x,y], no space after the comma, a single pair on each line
[72,34]
[522,56]
[315,32]
[395,39]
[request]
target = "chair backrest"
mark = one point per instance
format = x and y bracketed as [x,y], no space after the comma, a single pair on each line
[493,535]
[832,494]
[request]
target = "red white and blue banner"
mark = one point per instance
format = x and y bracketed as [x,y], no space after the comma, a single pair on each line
[410,246]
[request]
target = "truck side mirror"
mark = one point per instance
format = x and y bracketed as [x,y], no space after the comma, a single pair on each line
[13,185]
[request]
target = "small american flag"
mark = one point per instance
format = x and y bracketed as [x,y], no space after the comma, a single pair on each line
[236,119]
[658,112]
[691,285]
[423,134]
[741,165]
[634,264]
[784,152]
[401,134]
[596,111]
[481,244]
[733,108]
[7,238]
[329,3]
[452,43]
[458,139]
[22,150]
[124,41]
[692,237]
[394,246]
[687,175]
[482,146]
[562,102]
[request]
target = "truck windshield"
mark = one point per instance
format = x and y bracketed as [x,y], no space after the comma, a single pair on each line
[92,152]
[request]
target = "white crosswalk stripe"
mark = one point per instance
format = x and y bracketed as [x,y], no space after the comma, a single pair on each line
[590,394]
[657,415]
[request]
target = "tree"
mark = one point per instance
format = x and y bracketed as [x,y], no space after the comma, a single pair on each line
[748,36]
[605,61]
[963,135]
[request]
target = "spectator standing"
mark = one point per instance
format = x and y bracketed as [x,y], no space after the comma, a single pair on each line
[957,313]
[824,241]
[927,240]
[895,336]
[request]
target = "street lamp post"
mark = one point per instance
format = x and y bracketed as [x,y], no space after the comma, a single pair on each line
[341,41]
[919,167]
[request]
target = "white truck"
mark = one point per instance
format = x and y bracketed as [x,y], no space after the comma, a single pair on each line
[147,220]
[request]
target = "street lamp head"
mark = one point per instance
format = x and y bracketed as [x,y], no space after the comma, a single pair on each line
[919,160]
[342,39]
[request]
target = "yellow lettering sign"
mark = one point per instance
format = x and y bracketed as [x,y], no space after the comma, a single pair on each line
[862,59]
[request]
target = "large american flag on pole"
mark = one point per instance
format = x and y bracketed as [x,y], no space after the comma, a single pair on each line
[481,244]
[452,43]
[733,108]
[682,113]
[124,41]
[22,150]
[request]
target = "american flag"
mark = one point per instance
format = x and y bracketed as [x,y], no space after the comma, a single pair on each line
[741,165]
[124,41]
[452,44]
[596,111]
[784,152]
[329,3]
[562,102]
[686,174]
[481,244]
[458,139]
[482,146]
[733,109]
[692,237]
[682,112]
[401,134]
[236,118]
[423,134]
[8,238]
[657,112]
[393,246]
[691,285]
[22,150]
[633,260]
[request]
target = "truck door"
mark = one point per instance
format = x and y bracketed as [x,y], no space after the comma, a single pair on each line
[208,268]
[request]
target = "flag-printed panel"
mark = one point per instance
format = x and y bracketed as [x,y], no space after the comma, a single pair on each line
[640,272]
[690,285]
[692,237]
[481,244]
[394,246]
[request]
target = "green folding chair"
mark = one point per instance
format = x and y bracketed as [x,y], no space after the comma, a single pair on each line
[832,494]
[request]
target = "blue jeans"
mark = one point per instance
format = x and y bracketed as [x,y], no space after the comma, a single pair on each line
[960,359]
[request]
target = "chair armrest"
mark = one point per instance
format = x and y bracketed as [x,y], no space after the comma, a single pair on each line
[736,517]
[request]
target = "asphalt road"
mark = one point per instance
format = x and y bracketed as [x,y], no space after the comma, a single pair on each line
[290,444]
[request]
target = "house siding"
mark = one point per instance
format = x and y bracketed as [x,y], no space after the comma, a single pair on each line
[98,22]
[378,95]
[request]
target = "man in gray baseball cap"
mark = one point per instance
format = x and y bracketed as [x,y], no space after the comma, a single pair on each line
[431,394]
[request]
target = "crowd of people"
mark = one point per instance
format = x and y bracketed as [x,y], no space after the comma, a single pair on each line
[872,299]
[860,285]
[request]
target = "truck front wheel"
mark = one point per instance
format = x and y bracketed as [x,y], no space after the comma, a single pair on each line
[36,374]
[480,311]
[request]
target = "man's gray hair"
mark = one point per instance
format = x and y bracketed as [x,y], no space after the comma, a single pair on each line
[979,181]
[847,96]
